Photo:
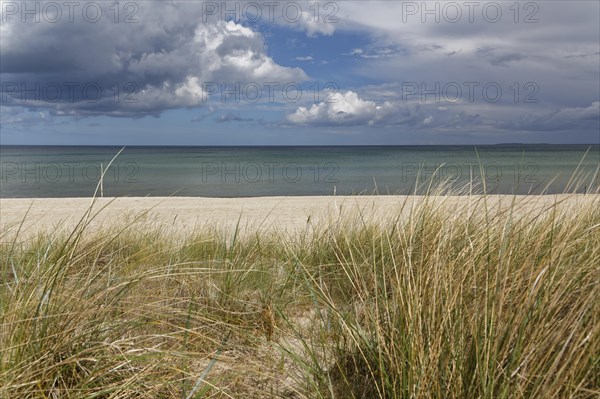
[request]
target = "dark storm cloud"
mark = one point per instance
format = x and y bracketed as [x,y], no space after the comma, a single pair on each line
[162,59]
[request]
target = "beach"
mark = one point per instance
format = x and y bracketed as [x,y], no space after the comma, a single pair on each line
[301,200]
[181,215]
[300,296]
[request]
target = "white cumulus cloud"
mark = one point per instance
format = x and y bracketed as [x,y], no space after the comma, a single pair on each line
[343,109]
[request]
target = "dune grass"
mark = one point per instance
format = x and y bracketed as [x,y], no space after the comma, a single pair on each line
[469,304]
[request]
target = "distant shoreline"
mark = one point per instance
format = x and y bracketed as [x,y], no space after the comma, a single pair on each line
[296,145]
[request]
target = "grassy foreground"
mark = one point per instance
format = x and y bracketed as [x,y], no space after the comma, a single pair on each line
[474,304]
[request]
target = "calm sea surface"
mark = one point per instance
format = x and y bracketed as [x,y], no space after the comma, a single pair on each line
[30,171]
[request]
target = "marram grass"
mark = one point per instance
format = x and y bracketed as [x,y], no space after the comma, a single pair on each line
[434,304]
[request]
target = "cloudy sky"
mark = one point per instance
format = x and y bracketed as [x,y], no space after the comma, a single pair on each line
[296,72]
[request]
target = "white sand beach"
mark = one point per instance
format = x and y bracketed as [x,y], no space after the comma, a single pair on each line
[291,214]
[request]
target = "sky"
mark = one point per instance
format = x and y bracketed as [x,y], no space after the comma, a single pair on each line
[299,72]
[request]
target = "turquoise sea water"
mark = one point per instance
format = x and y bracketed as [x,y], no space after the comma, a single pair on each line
[74,171]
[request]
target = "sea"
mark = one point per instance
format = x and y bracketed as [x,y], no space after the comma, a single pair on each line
[84,171]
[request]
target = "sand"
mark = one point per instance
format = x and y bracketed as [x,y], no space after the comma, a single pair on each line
[180,215]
